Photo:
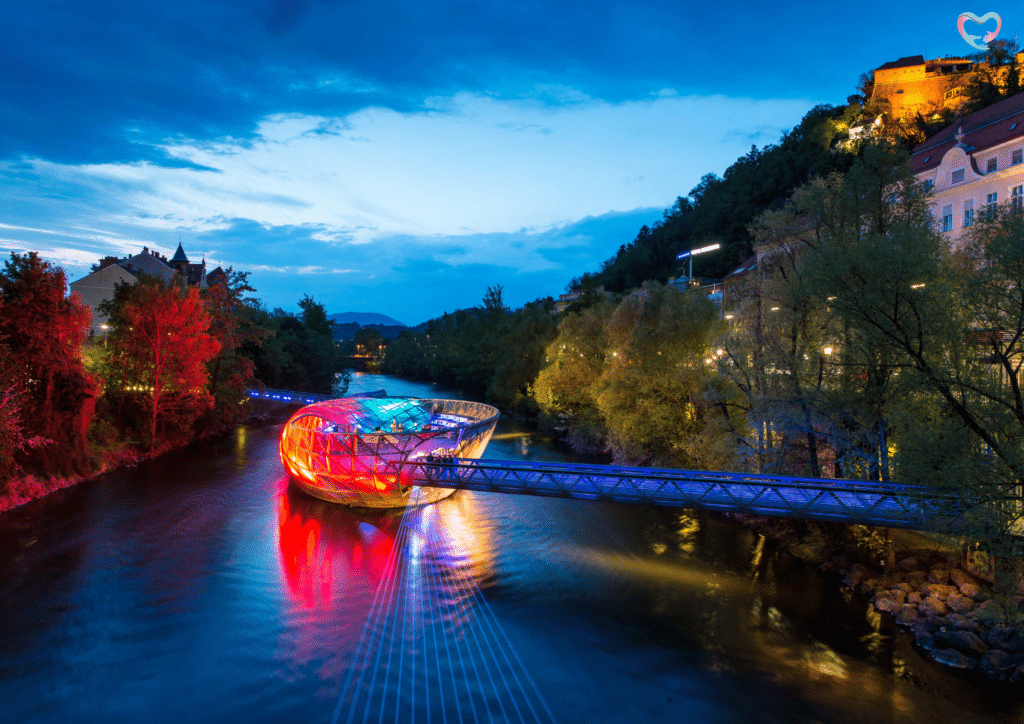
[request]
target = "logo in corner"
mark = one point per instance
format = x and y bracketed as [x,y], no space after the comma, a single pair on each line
[972,40]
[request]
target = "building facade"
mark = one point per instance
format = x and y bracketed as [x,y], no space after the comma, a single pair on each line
[98,287]
[973,166]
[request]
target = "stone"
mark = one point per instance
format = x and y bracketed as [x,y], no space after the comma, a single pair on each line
[932,607]
[962,640]
[1014,604]
[905,587]
[889,605]
[894,594]
[959,603]
[959,578]
[906,615]
[925,640]
[938,575]
[988,611]
[914,598]
[1000,665]
[857,574]
[958,621]
[909,565]
[917,578]
[1007,638]
[971,590]
[951,657]
[937,590]
[868,587]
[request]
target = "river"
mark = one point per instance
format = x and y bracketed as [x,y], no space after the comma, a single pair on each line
[202,587]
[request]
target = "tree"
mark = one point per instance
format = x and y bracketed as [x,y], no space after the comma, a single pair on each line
[160,345]
[41,332]
[233,330]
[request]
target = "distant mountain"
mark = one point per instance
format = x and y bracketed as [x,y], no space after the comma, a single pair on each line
[365,318]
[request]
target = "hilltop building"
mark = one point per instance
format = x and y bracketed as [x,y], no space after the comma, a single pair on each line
[98,287]
[974,165]
[913,85]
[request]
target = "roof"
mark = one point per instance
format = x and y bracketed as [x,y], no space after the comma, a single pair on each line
[146,262]
[748,265]
[984,129]
[903,62]
[179,255]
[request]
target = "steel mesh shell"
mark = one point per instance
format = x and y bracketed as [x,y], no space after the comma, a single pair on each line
[352,450]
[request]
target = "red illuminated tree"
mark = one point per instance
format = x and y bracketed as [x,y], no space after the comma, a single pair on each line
[160,346]
[41,334]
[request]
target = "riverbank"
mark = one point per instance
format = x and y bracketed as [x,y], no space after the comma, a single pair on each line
[953,615]
[24,489]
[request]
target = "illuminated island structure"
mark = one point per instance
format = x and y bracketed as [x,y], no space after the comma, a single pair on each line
[351,450]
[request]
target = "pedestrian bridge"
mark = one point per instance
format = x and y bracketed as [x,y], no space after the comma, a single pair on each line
[947,510]
[821,499]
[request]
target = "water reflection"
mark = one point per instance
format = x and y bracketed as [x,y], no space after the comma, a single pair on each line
[326,549]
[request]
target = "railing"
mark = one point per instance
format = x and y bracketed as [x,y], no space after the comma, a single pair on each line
[846,501]
[288,396]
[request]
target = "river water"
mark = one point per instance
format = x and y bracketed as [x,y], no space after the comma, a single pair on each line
[202,587]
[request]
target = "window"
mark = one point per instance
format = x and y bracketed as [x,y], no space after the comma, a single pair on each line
[1017,198]
[947,217]
[1018,157]
[993,165]
[991,200]
[958,176]
[969,212]
[899,91]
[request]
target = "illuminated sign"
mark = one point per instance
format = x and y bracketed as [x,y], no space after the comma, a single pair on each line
[972,40]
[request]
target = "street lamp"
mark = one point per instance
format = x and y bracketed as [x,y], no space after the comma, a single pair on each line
[694,252]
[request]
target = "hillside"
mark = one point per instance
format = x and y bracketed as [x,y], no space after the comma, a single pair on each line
[365,318]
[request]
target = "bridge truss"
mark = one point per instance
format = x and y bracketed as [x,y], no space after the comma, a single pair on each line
[842,501]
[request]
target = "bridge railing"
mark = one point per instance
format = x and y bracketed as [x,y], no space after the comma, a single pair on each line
[847,501]
[287,396]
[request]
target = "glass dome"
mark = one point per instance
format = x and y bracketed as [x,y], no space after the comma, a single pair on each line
[351,450]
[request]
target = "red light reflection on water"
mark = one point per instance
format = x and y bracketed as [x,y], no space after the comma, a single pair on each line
[321,542]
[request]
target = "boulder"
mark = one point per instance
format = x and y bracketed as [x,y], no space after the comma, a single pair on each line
[957,621]
[958,577]
[938,575]
[914,598]
[869,586]
[988,611]
[951,657]
[932,607]
[909,565]
[958,603]
[1007,638]
[917,578]
[906,615]
[905,587]
[972,590]
[925,641]
[962,640]
[937,590]
[889,605]
[857,574]
[1000,665]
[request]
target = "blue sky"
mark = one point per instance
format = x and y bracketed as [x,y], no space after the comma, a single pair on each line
[402,157]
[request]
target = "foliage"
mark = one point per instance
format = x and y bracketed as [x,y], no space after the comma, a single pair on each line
[41,334]
[296,352]
[486,351]
[231,371]
[160,346]
[633,379]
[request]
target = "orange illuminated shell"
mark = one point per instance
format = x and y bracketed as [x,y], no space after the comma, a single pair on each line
[351,450]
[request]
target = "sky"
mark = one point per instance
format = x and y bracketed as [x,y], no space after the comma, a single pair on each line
[401,157]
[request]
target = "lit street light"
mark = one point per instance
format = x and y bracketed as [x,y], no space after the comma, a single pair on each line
[692,253]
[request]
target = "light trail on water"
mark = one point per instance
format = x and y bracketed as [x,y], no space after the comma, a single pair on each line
[452,646]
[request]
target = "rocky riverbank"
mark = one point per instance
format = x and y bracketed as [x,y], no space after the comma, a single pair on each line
[953,615]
